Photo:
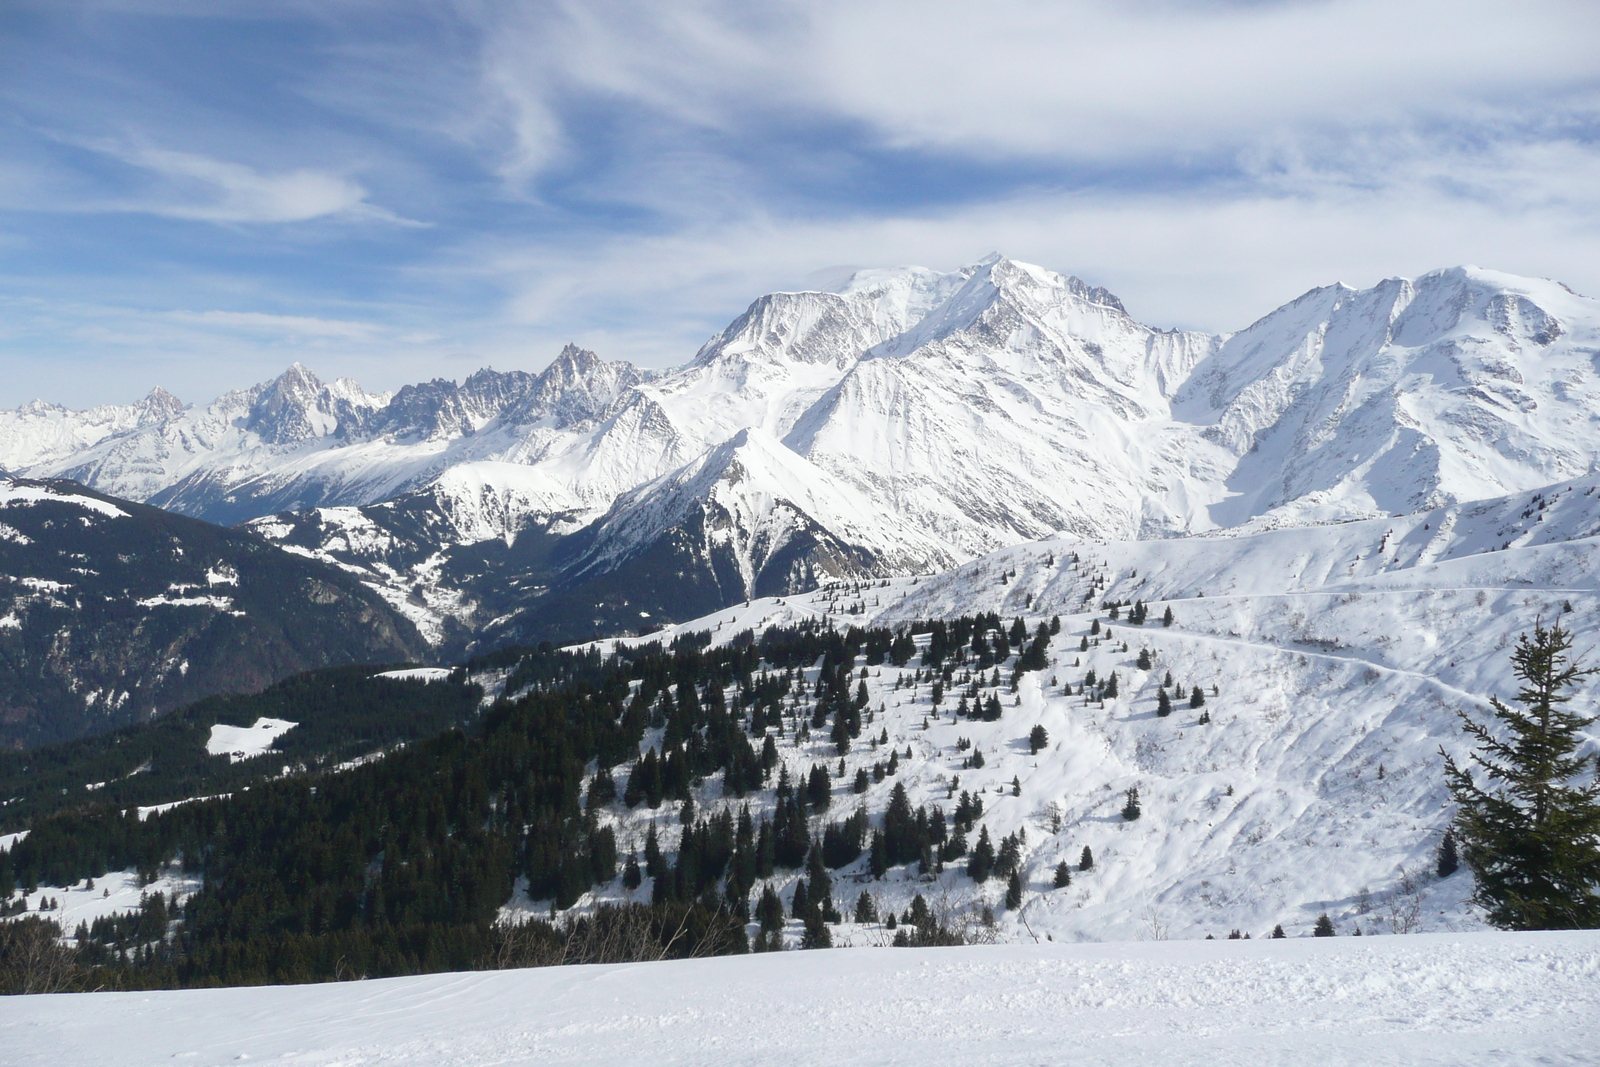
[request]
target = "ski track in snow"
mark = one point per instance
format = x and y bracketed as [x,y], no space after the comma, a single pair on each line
[1503,999]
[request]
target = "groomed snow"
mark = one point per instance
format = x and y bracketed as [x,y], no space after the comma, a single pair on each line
[1426,999]
[246,742]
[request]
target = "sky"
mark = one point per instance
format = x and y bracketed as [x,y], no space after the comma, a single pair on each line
[196,193]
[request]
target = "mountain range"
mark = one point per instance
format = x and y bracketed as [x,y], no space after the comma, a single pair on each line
[113,612]
[903,423]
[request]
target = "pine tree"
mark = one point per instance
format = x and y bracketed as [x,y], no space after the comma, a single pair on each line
[1014,892]
[1038,737]
[1166,619]
[1324,927]
[1533,844]
[1277,931]
[1163,703]
[1449,862]
[1197,697]
[769,911]
[866,911]
[1131,810]
[980,864]
[1086,861]
[1063,875]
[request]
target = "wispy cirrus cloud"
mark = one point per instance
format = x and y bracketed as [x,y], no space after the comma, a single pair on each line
[197,187]
[631,174]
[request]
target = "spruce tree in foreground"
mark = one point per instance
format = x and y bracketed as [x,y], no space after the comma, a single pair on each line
[1533,844]
[1324,927]
[1014,892]
[1063,875]
[1086,861]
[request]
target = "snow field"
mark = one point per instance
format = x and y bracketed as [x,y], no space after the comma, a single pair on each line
[1504,999]
[1315,787]
[116,892]
[246,742]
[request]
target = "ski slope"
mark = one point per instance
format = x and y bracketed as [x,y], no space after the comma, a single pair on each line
[1504,999]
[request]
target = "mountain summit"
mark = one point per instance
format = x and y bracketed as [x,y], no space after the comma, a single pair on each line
[903,420]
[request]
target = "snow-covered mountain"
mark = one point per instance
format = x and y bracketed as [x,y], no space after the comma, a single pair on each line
[1463,384]
[112,612]
[909,419]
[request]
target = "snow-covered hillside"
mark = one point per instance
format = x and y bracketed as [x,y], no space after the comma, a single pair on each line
[1332,662]
[1509,999]
[947,414]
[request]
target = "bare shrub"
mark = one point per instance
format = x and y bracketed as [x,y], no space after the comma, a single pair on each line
[33,959]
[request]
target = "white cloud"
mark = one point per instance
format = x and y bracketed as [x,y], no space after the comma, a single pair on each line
[1214,260]
[301,326]
[199,187]
[1075,80]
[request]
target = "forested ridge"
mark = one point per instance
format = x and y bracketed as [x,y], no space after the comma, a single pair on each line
[401,865]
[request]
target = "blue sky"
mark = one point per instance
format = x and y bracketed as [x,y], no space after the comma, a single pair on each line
[194,194]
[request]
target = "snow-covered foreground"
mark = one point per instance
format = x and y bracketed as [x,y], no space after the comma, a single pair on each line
[1427,999]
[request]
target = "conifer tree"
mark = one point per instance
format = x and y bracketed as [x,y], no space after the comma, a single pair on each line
[1324,927]
[769,912]
[980,864]
[866,911]
[1063,876]
[1131,810]
[1014,892]
[1086,861]
[1163,703]
[655,865]
[1197,697]
[1166,618]
[631,878]
[1277,931]
[1448,861]
[1038,737]
[1533,844]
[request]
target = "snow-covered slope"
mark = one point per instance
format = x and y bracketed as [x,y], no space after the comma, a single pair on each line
[769,520]
[1026,403]
[1511,999]
[1332,662]
[1463,384]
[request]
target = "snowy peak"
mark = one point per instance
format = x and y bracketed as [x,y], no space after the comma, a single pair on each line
[441,409]
[577,388]
[832,328]
[1456,386]
[762,518]
[296,407]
